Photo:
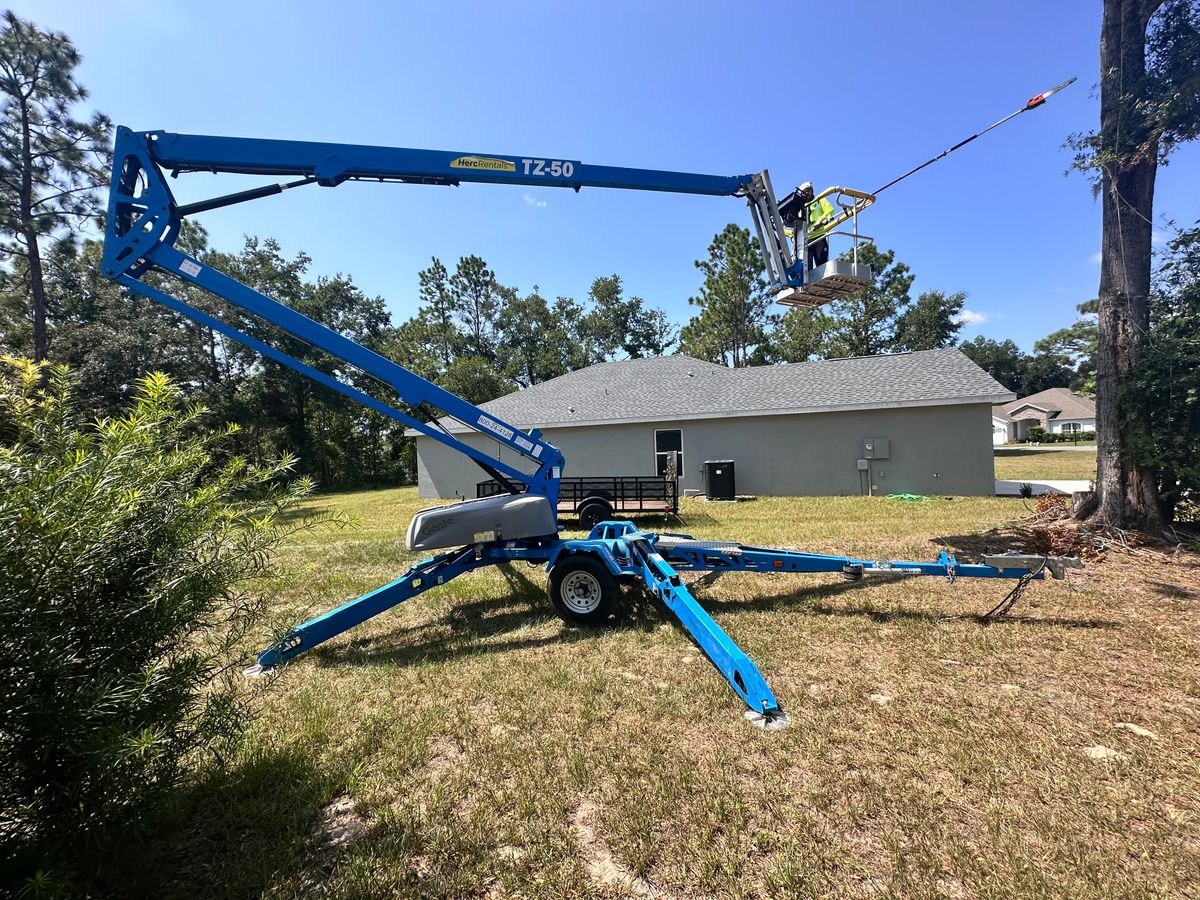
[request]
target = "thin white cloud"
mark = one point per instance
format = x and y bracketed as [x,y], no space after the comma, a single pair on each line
[1095,258]
[531,200]
[1158,237]
[970,318]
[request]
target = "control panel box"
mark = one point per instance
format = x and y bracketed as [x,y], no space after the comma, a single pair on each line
[876,448]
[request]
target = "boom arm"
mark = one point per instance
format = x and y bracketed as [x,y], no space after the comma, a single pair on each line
[144,221]
[331,164]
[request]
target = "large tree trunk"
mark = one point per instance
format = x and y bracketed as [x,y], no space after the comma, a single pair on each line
[37,292]
[33,256]
[1127,495]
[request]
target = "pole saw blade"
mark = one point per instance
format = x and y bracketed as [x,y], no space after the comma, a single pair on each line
[1037,101]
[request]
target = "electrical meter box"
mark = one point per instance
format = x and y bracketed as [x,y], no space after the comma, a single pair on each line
[876,448]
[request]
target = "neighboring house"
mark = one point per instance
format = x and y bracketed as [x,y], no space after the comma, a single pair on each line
[999,429]
[798,429]
[1056,410]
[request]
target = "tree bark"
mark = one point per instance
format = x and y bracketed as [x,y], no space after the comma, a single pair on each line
[33,256]
[1127,494]
[37,292]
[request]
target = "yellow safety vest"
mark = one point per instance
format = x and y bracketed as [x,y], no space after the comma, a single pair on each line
[820,210]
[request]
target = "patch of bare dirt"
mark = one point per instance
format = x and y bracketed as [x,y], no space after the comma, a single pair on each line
[605,870]
[445,755]
[1137,729]
[1101,753]
[338,824]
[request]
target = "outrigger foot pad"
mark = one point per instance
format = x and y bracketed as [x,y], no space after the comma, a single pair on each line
[772,720]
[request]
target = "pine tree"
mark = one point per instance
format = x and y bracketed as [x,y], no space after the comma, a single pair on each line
[734,321]
[51,164]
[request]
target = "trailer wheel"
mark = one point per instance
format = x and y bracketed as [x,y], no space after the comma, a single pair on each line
[593,512]
[582,590]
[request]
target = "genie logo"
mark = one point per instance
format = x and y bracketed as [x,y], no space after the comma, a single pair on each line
[435,526]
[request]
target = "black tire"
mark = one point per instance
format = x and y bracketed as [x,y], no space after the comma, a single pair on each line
[582,590]
[593,512]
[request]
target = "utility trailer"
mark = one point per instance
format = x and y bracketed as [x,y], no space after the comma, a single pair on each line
[144,221]
[597,498]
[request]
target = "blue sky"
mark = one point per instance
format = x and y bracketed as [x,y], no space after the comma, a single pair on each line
[835,93]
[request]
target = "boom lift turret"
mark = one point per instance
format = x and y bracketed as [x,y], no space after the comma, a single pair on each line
[143,224]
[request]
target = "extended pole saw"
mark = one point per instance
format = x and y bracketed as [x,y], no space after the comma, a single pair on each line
[1031,103]
[845,275]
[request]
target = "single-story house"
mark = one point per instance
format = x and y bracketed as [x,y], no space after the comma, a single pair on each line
[999,429]
[1056,410]
[906,422]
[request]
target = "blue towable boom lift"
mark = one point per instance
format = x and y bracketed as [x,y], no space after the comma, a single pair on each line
[520,525]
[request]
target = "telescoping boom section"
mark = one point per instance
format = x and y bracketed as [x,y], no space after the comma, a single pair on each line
[330,165]
[519,525]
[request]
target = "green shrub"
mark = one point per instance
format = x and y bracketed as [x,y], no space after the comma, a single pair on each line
[133,561]
[1037,434]
[1063,437]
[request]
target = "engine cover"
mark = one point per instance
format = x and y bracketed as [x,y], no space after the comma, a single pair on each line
[507,517]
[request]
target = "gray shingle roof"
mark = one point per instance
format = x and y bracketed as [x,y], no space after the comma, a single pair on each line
[679,387]
[1058,403]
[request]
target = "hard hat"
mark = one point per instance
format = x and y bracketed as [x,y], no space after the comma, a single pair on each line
[807,186]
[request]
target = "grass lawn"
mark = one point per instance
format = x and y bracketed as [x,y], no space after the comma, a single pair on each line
[471,744]
[1015,465]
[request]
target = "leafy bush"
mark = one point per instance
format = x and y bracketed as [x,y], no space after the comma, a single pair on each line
[131,556]
[1165,383]
[1073,437]
[1039,435]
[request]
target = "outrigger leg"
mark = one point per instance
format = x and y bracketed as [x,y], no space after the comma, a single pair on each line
[421,577]
[739,670]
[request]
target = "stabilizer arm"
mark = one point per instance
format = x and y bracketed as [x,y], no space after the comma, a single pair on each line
[421,577]
[741,673]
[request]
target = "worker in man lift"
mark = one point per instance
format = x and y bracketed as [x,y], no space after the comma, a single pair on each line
[817,212]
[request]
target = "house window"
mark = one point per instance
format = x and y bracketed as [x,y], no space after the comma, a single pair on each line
[667,440]
[1072,426]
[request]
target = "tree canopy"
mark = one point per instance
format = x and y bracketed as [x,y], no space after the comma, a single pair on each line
[734,322]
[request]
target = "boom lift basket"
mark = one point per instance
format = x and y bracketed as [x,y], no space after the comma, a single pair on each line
[844,274]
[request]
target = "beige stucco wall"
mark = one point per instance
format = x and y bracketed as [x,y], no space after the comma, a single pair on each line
[934,450]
